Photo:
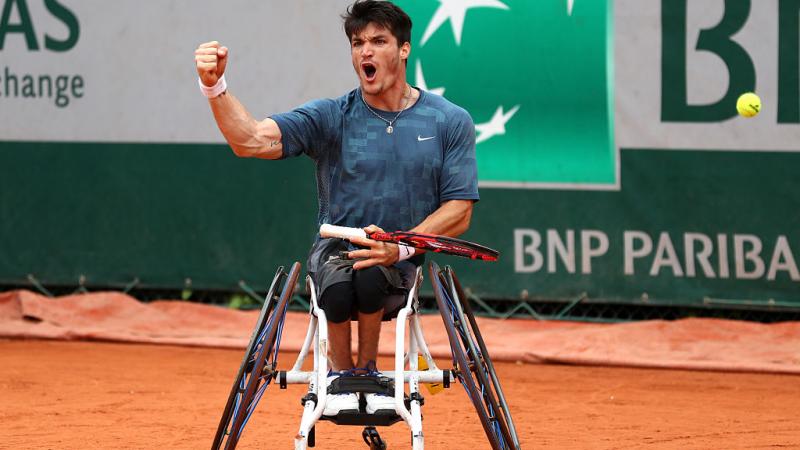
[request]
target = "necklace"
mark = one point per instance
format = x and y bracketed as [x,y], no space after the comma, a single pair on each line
[389,128]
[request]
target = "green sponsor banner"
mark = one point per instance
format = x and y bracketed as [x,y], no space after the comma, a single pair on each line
[114,213]
[611,161]
[541,97]
[705,225]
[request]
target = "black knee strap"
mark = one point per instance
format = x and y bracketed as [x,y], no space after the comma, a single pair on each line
[371,288]
[338,302]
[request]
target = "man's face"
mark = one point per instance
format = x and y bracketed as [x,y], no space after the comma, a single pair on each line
[378,61]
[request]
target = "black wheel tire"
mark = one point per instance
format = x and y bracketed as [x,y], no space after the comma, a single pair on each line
[473,366]
[458,292]
[261,353]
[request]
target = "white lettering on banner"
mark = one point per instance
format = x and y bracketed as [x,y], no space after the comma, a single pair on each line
[565,252]
[588,252]
[690,255]
[631,252]
[532,249]
[722,251]
[783,253]
[702,256]
[753,255]
[666,256]
[528,257]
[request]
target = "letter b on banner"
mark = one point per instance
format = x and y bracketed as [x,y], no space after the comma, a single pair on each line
[742,73]
[528,257]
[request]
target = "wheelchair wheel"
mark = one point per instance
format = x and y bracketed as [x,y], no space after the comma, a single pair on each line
[458,292]
[471,360]
[260,360]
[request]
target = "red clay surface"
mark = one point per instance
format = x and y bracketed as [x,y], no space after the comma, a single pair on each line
[77,395]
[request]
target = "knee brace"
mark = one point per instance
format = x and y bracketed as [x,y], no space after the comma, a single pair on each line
[338,301]
[371,289]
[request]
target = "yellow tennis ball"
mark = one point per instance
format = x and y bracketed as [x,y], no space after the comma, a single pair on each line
[748,105]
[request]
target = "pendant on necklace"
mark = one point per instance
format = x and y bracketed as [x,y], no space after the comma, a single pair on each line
[389,129]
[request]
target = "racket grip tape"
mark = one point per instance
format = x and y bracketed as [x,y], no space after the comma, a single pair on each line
[335,231]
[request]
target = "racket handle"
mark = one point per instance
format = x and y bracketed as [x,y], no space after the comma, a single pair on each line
[334,231]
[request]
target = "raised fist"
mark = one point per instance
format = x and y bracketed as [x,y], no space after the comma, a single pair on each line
[211,60]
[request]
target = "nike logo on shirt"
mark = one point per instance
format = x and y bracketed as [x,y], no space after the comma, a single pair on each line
[422,139]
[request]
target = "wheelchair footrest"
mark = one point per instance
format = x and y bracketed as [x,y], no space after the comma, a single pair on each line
[362,383]
[379,419]
[366,385]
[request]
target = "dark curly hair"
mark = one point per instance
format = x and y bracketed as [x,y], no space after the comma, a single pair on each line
[383,13]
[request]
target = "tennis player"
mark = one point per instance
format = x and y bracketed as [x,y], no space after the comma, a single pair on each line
[388,157]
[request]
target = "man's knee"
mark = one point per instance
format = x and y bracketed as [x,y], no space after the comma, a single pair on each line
[337,301]
[371,288]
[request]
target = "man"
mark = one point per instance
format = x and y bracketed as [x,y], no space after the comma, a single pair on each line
[387,155]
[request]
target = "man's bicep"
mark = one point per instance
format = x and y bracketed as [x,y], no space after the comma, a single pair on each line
[270,133]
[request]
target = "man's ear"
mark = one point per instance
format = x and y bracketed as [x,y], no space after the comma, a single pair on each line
[405,50]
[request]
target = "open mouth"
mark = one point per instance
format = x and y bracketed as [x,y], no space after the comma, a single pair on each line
[369,71]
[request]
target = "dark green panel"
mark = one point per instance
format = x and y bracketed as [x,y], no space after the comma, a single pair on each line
[162,213]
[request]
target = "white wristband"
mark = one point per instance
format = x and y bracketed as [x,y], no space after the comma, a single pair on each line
[405,252]
[213,91]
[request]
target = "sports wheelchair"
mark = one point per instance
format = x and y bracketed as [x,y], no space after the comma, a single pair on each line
[472,367]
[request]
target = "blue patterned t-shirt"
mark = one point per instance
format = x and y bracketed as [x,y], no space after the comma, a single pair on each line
[368,176]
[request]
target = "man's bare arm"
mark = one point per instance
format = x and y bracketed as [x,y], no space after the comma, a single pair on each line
[246,136]
[450,219]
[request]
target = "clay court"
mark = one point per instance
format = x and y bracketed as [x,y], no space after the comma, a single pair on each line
[127,396]
[102,371]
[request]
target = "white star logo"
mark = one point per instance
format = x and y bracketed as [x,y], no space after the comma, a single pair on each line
[421,81]
[456,10]
[496,126]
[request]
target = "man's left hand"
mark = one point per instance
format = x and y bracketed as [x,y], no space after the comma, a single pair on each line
[376,253]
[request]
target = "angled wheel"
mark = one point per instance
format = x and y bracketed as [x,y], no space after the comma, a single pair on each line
[260,361]
[471,360]
[458,292]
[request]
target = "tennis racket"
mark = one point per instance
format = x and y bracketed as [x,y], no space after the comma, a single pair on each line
[429,242]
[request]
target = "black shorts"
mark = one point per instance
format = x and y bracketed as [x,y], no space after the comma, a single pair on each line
[327,267]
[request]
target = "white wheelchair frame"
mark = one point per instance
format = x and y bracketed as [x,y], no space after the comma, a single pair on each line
[317,380]
[472,367]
